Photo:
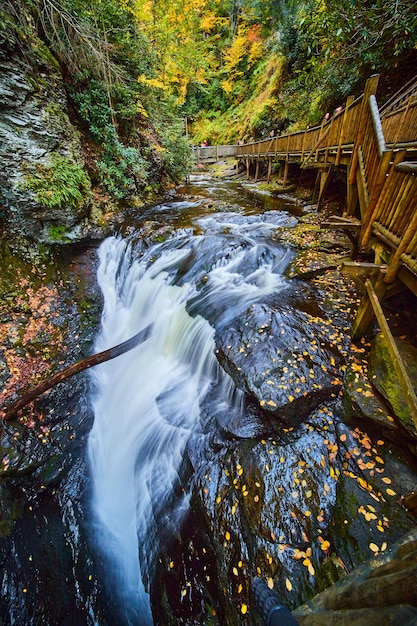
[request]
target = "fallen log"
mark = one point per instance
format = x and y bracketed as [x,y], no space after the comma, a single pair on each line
[106,355]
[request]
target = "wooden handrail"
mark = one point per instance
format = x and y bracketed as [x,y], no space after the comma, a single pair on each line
[376,120]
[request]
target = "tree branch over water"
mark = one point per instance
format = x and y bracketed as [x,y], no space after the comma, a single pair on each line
[10,411]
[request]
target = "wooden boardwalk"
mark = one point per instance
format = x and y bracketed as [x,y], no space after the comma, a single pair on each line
[376,151]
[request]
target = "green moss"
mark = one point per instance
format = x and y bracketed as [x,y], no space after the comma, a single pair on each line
[62,183]
[57,233]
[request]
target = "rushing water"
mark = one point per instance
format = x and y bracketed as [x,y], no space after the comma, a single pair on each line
[149,402]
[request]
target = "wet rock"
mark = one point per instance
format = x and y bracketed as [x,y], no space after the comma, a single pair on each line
[4,370]
[310,263]
[285,358]
[300,509]
[384,590]
[385,379]
[361,402]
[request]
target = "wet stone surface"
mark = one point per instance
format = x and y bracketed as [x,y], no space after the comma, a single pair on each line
[285,357]
[300,489]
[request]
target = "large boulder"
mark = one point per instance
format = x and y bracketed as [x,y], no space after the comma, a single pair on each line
[285,357]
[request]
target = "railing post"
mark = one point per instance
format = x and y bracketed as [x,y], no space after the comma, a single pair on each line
[349,101]
[370,89]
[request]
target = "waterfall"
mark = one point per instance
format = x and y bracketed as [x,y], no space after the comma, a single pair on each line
[147,402]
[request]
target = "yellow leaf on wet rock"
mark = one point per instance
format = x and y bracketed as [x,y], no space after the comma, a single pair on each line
[288,584]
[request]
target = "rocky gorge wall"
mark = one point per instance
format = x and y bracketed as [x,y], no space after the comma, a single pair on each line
[44,189]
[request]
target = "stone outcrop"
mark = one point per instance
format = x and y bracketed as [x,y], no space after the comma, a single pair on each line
[285,357]
[34,130]
[385,379]
[383,591]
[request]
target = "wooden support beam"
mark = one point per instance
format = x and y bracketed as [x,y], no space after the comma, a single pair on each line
[284,182]
[268,178]
[365,313]
[352,199]
[325,178]
[354,268]
[341,224]
[377,187]
[403,377]
[257,170]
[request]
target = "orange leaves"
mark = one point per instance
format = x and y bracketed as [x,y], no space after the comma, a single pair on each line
[324,544]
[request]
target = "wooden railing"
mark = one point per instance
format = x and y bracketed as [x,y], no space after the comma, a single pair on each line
[379,153]
[207,154]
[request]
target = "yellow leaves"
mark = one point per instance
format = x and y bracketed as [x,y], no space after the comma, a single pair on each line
[307,563]
[270,583]
[171,565]
[288,584]
[271,403]
[151,82]
[368,515]
[391,492]
[244,609]
[376,550]
[227,535]
[325,545]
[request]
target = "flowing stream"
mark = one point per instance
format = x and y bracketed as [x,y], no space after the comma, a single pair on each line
[195,482]
[152,401]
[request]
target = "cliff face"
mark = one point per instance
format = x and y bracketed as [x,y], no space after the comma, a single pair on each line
[44,189]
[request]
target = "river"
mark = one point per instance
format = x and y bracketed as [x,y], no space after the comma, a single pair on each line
[220,448]
[149,403]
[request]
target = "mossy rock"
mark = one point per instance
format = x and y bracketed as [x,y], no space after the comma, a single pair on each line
[361,402]
[384,377]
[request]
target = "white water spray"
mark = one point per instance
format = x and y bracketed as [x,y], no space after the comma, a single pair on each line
[146,406]
[147,402]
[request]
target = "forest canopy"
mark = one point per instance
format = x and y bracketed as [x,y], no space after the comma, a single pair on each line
[231,68]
